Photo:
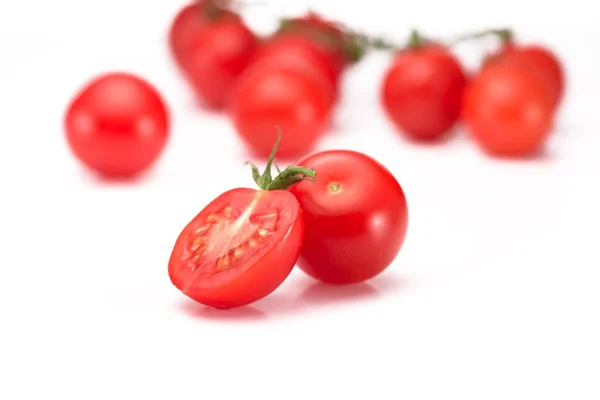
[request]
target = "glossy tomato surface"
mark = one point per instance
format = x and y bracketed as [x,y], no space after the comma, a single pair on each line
[355,217]
[507,110]
[299,52]
[239,248]
[282,96]
[544,63]
[216,57]
[117,125]
[422,92]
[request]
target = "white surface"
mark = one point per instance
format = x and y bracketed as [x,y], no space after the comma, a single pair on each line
[494,296]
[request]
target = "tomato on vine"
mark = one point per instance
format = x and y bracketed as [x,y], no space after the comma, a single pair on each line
[283,95]
[422,90]
[213,46]
[244,243]
[117,125]
[355,217]
[507,109]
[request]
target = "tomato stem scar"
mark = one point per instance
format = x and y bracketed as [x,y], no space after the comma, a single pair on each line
[335,187]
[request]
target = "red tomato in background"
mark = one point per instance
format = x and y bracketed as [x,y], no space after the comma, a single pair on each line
[301,53]
[544,62]
[215,58]
[327,35]
[422,92]
[239,248]
[507,109]
[355,217]
[117,125]
[282,96]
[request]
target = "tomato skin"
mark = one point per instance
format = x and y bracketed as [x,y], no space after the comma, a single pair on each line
[422,92]
[507,110]
[299,52]
[354,234]
[261,274]
[216,57]
[266,97]
[543,61]
[117,125]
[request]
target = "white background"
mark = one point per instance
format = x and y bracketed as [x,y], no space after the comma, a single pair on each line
[495,294]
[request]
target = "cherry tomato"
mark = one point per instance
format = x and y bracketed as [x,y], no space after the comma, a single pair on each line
[422,92]
[299,52]
[507,109]
[117,125]
[355,217]
[216,56]
[282,96]
[545,63]
[326,35]
[242,245]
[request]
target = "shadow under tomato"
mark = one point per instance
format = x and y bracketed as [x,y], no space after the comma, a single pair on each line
[541,156]
[245,313]
[98,179]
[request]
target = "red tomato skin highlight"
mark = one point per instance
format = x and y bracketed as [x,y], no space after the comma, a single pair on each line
[299,52]
[282,96]
[117,125]
[544,63]
[261,275]
[422,92]
[354,234]
[216,57]
[507,110]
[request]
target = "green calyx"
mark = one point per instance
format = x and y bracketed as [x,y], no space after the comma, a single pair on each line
[286,178]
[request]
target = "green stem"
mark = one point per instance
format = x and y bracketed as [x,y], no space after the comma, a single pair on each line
[286,178]
[504,34]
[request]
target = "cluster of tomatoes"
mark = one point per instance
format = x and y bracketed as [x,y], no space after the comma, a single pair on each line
[339,215]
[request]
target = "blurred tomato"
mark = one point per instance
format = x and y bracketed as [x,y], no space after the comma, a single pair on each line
[422,91]
[117,125]
[299,52]
[507,109]
[280,95]
[542,60]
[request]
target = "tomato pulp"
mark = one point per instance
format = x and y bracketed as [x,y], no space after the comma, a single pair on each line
[117,125]
[243,244]
[507,110]
[355,217]
[422,92]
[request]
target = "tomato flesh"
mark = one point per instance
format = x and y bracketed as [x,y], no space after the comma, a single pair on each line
[238,249]
[355,216]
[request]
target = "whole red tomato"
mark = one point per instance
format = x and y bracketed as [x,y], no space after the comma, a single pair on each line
[545,63]
[299,52]
[282,96]
[242,245]
[326,35]
[215,58]
[117,125]
[355,217]
[507,109]
[422,91]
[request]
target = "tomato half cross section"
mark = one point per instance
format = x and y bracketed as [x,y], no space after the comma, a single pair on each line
[244,244]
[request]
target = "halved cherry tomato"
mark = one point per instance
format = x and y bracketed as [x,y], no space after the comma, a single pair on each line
[117,125]
[507,109]
[243,244]
[422,91]
[355,217]
[298,102]
[215,58]
[545,63]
